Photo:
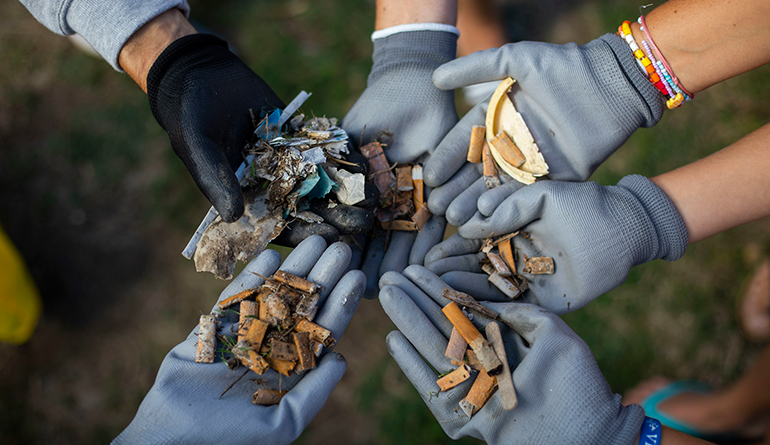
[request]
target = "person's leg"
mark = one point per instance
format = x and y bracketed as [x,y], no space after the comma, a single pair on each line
[742,407]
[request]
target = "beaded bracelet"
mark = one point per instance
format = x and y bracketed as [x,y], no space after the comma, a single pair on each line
[654,78]
[676,97]
[675,80]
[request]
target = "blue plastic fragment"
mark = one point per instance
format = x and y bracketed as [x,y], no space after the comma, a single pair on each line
[272,130]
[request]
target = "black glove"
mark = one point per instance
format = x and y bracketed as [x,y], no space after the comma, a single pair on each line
[201,93]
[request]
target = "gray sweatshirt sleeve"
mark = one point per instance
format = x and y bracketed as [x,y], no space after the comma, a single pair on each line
[105,24]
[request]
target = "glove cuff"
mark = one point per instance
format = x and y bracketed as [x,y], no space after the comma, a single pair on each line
[177,56]
[648,100]
[415,49]
[668,225]
[630,424]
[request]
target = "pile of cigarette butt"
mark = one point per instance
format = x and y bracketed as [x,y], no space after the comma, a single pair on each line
[275,330]
[500,265]
[471,352]
[401,205]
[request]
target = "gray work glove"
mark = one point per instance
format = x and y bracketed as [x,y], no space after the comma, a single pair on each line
[562,396]
[400,97]
[183,406]
[594,234]
[581,103]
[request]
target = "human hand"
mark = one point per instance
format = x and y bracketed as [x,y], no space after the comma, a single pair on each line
[400,97]
[184,404]
[580,103]
[562,395]
[594,233]
[201,94]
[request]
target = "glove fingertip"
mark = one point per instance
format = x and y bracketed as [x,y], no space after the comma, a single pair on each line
[230,208]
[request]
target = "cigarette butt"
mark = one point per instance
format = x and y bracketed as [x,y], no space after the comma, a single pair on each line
[404,175]
[477,342]
[317,333]
[296,282]
[506,251]
[487,246]
[421,217]
[417,193]
[237,298]
[456,347]
[267,397]
[489,162]
[250,358]
[281,350]
[277,310]
[207,339]
[500,267]
[454,378]
[284,367]
[399,225]
[482,388]
[505,284]
[473,361]
[306,356]
[260,299]
[476,146]
[504,379]
[538,265]
[317,347]
[379,169]
[307,306]
[490,169]
[256,333]
[508,150]
[247,313]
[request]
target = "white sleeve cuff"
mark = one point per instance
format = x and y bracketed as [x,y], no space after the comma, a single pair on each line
[414,27]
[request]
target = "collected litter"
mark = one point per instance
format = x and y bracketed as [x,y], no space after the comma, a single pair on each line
[275,331]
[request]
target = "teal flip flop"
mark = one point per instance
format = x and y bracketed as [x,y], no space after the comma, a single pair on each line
[650,406]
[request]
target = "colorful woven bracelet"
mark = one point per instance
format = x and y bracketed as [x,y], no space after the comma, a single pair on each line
[659,55]
[676,97]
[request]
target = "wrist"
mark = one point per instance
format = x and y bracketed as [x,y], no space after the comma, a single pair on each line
[401,12]
[142,49]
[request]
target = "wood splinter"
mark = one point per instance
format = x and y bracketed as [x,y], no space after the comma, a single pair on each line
[466,300]
[476,145]
[267,397]
[207,339]
[480,392]
[504,379]
[454,378]
[477,342]
[541,265]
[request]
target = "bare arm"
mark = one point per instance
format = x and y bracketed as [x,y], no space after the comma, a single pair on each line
[145,45]
[706,42]
[402,12]
[723,190]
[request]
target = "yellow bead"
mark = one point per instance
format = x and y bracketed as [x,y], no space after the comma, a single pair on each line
[639,54]
[646,62]
[626,28]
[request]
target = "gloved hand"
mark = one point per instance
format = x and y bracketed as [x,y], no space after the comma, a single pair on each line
[562,395]
[400,97]
[580,103]
[183,405]
[201,93]
[594,234]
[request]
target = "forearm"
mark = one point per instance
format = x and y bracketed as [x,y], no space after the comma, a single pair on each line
[403,12]
[145,45]
[707,42]
[724,190]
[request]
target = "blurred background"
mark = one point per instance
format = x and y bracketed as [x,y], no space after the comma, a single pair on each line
[100,209]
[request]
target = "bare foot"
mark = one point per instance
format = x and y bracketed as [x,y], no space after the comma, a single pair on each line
[754,307]
[711,413]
